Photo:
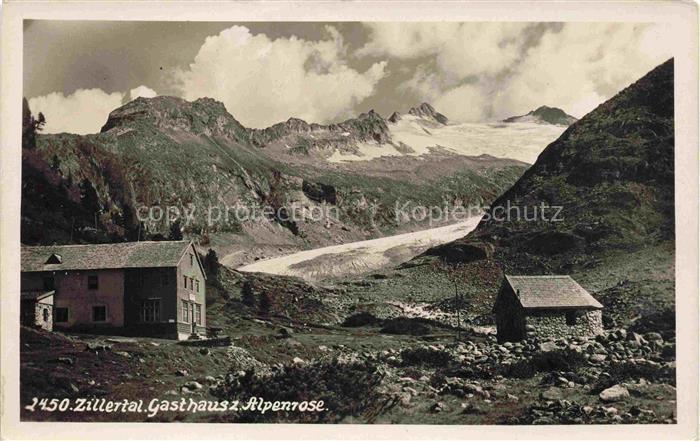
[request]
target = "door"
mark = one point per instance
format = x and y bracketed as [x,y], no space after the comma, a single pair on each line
[194,321]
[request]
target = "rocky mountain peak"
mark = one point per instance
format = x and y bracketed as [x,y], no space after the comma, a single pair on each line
[201,116]
[395,117]
[544,115]
[427,111]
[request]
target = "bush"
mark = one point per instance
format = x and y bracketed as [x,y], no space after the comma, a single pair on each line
[347,389]
[361,319]
[425,356]
[405,326]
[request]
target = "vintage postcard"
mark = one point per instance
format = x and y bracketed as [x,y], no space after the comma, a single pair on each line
[415,220]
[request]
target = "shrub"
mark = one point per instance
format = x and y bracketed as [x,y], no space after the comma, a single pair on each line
[347,389]
[405,326]
[425,356]
[361,319]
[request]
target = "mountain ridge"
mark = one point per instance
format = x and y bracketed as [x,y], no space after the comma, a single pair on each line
[168,152]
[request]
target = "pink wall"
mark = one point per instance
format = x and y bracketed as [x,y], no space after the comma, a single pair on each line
[72,292]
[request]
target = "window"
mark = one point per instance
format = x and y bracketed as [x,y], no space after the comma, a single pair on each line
[198,314]
[93,282]
[191,283]
[99,313]
[184,280]
[45,314]
[54,259]
[48,283]
[571,318]
[191,259]
[185,312]
[196,284]
[150,310]
[61,315]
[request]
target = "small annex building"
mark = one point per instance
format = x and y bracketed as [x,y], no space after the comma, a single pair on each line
[548,306]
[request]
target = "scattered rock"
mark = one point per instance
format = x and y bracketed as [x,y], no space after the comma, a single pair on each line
[552,394]
[438,407]
[284,332]
[97,346]
[598,358]
[191,386]
[66,360]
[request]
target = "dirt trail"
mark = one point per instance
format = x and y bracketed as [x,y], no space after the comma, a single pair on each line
[360,257]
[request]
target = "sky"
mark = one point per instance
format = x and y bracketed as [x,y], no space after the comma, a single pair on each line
[76,72]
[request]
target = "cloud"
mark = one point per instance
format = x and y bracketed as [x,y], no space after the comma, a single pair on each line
[582,66]
[465,103]
[82,112]
[459,49]
[263,81]
[480,71]
[142,91]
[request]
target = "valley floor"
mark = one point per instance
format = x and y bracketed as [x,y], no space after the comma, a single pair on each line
[384,348]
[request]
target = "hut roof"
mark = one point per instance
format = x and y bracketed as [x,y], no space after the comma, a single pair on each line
[551,292]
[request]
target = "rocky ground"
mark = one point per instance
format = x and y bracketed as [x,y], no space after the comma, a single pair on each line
[618,377]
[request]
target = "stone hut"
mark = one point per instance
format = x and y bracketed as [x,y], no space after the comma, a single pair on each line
[548,306]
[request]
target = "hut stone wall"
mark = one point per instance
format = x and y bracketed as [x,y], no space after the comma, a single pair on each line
[565,323]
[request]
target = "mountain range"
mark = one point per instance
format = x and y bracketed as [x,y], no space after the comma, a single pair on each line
[167,152]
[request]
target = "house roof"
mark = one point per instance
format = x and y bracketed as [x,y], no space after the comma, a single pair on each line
[551,292]
[147,254]
[36,295]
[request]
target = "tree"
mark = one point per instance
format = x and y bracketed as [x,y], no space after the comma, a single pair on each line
[248,294]
[30,125]
[175,231]
[265,303]
[211,263]
[89,198]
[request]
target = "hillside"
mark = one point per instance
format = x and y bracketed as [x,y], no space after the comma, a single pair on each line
[612,175]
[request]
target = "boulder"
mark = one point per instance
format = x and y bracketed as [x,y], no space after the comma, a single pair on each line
[598,358]
[192,386]
[548,346]
[614,393]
